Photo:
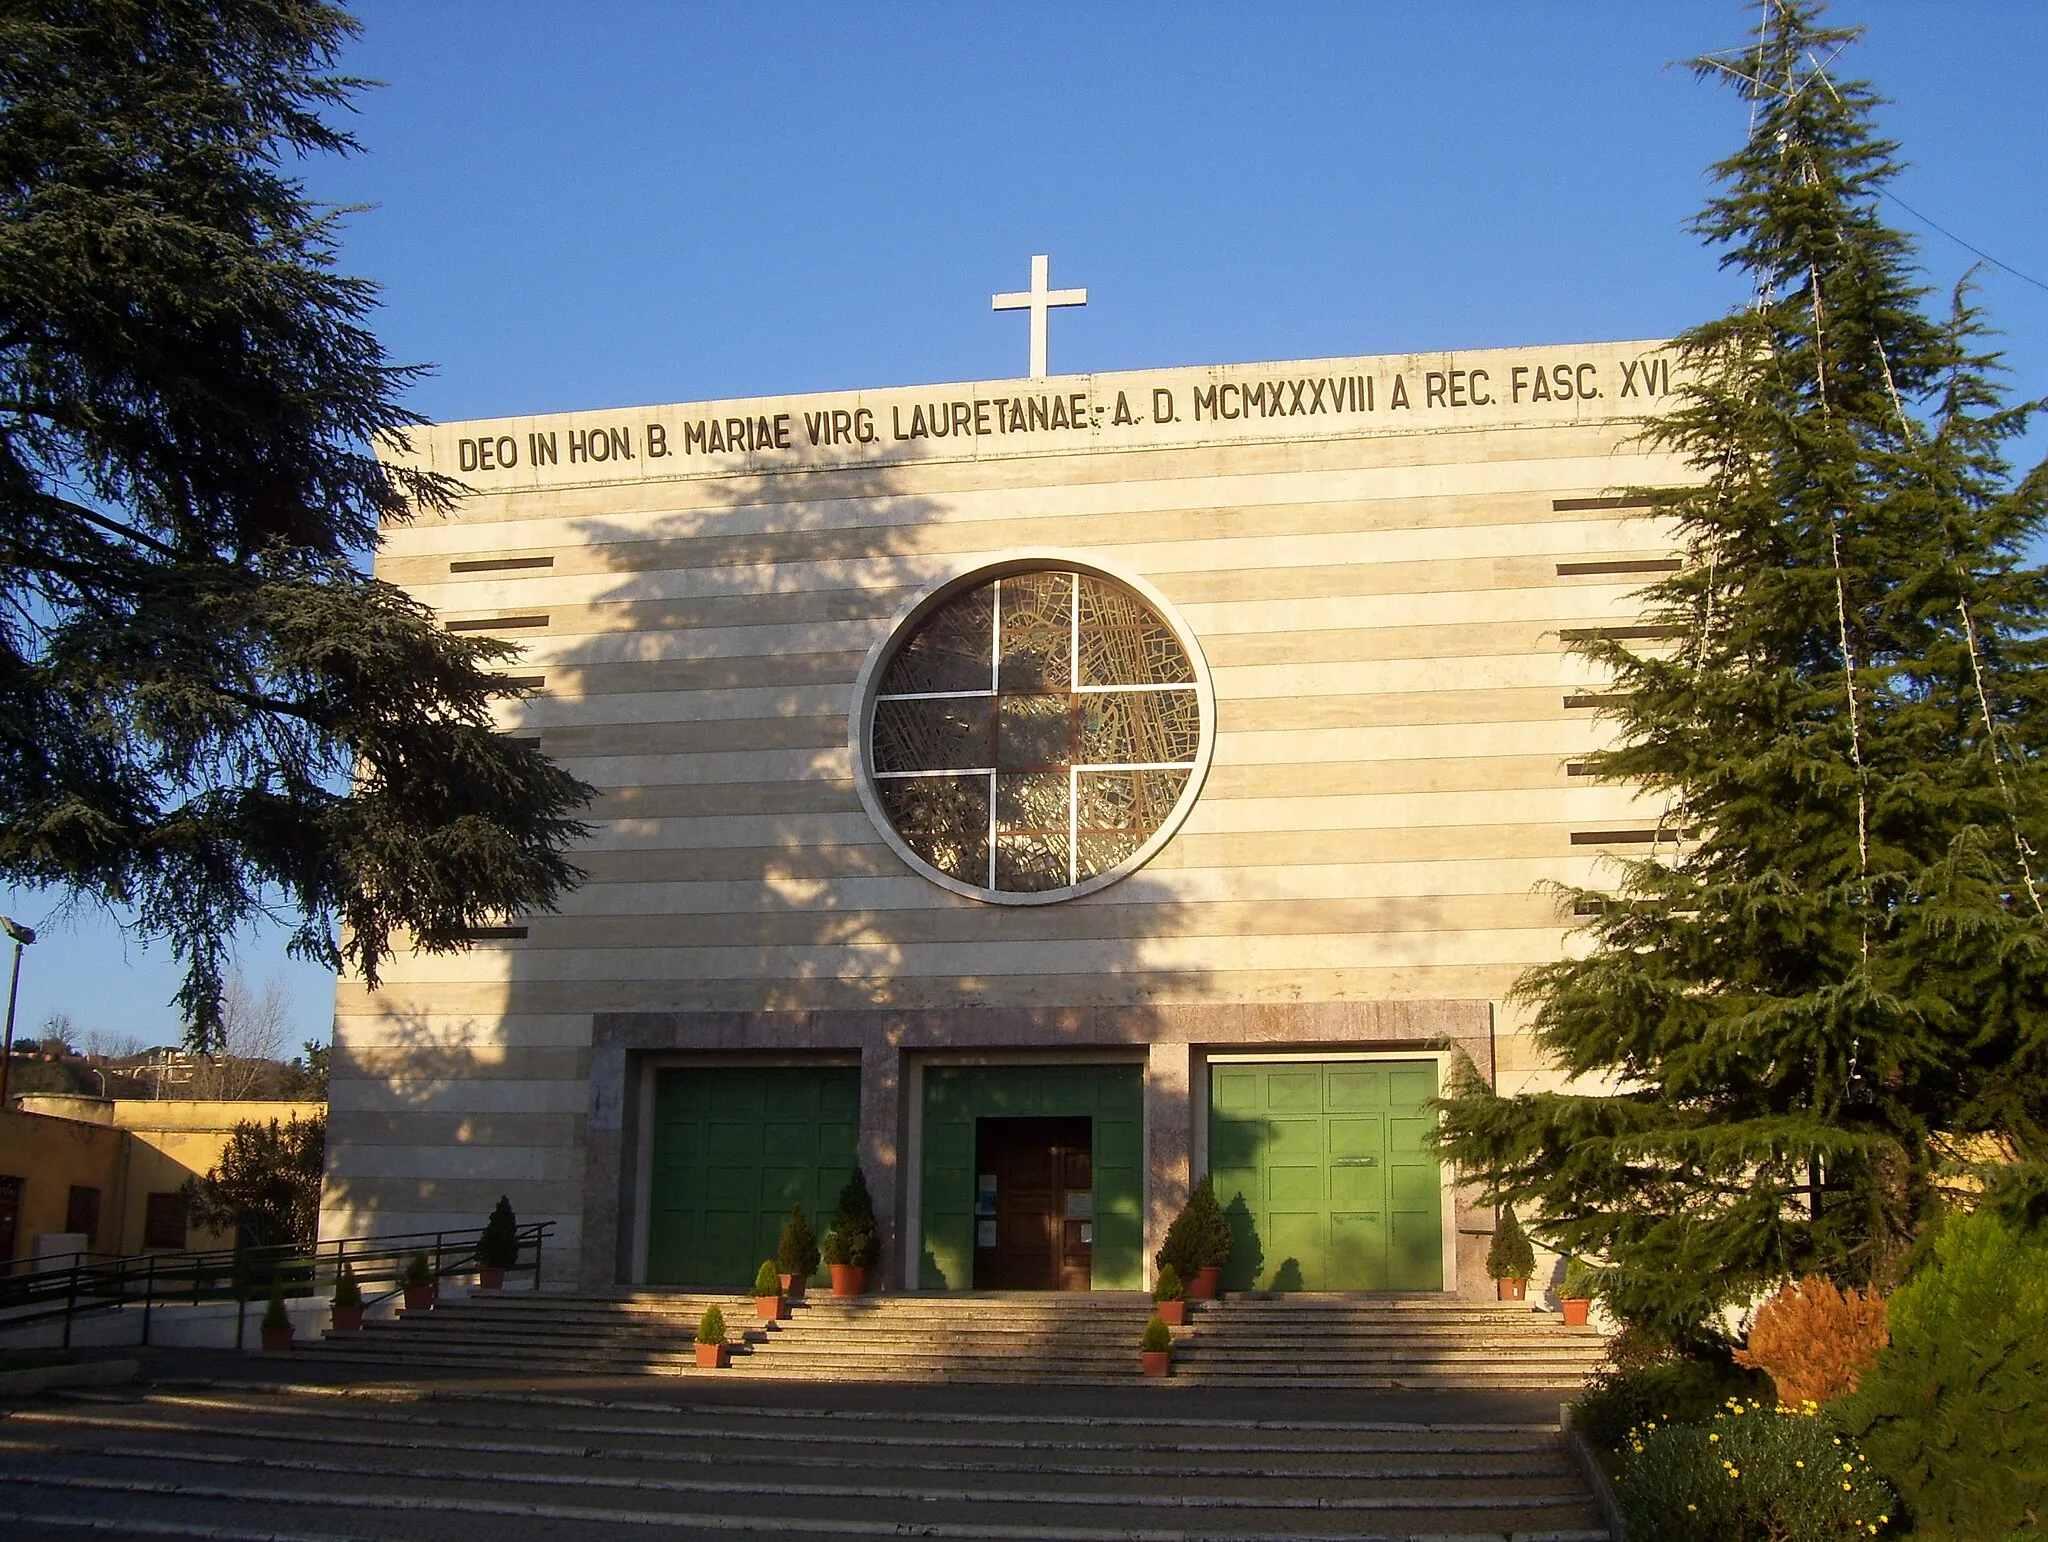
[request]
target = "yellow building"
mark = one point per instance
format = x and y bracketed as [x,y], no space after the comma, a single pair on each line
[102,1176]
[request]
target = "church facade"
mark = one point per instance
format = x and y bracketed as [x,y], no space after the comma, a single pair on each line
[1038,793]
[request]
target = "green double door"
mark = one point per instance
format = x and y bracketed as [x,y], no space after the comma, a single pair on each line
[733,1149]
[1326,1175]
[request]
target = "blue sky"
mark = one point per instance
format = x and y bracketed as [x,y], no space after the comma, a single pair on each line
[600,204]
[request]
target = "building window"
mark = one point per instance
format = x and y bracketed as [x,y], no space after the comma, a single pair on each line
[1036,734]
[82,1212]
[163,1221]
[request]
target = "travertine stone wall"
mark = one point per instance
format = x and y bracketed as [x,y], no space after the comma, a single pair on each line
[1377,591]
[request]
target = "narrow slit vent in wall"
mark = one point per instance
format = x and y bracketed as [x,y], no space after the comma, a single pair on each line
[498,624]
[499,564]
[1619,565]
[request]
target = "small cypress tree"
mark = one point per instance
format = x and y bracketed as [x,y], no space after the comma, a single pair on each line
[767,1282]
[1844,961]
[1509,1256]
[711,1326]
[347,1293]
[1199,1237]
[1158,1337]
[275,1318]
[797,1249]
[853,1222]
[498,1246]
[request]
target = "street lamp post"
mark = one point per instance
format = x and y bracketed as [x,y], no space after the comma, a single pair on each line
[22,936]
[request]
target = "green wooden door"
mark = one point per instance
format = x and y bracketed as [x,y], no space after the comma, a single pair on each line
[734,1148]
[1112,1097]
[1326,1174]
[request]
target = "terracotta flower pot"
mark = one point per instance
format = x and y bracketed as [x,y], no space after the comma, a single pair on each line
[489,1277]
[714,1357]
[1173,1313]
[793,1287]
[276,1340]
[347,1319]
[770,1308]
[1156,1362]
[420,1298]
[1206,1283]
[1575,1311]
[849,1279]
[1513,1290]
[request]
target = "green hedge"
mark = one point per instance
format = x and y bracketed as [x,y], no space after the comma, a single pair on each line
[1955,1411]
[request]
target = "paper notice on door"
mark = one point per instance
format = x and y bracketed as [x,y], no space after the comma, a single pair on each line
[1080,1204]
[985,1234]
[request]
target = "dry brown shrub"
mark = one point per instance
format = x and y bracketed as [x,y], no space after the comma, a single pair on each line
[1814,1340]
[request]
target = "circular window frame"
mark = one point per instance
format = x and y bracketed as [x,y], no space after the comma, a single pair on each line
[905,622]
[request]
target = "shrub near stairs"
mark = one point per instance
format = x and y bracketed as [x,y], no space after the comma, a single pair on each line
[1752,1473]
[1954,1411]
[1814,1340]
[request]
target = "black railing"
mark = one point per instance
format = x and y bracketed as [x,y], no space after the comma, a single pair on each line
[245,1274]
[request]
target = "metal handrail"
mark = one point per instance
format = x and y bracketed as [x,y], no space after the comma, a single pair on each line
[244,1274]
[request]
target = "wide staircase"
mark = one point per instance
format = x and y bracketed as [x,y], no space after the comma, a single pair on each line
[424,1462]
[1385,1342]
[996,1337]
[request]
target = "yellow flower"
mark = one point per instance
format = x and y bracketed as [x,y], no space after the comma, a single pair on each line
[1713,1437]
[1845,1488]
[1847,1468]
[1799,1464]
[1692,1507]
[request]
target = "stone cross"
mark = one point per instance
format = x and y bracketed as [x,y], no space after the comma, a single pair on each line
[1038,300]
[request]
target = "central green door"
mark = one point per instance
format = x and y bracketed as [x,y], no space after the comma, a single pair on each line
[1326,1174]
[957,1098]
[734,1148]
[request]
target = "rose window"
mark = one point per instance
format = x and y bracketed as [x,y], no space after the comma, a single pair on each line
[1034,732]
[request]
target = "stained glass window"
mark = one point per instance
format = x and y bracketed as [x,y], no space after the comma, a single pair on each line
[1035,731]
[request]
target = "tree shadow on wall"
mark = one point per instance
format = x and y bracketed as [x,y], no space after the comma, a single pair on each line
[697,665]
[1247,1252]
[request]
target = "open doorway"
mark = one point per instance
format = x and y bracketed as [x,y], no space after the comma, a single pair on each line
[1034,1204]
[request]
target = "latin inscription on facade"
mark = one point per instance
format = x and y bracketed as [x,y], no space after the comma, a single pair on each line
[1110,411]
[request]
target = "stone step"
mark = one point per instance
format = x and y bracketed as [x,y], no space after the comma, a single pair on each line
[1013,1338]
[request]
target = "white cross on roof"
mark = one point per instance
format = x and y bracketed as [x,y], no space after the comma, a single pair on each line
[1039,300]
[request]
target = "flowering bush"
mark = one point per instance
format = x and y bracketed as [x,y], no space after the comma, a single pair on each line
[1647,1382]
[1752,1473]
[1815,1340]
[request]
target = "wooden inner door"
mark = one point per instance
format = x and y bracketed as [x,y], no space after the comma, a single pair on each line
[1034,1204]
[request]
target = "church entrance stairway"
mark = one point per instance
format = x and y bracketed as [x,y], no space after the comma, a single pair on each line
[992,1337]
[397,1460]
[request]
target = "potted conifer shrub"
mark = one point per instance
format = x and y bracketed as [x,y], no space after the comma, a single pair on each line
[420,1290]
[1197,1244]
[1170,1297]
[1510,1260]
[277,1323]
[797,1253]
[347,1306]
[1575,1296]
[854,1243]
[713,1353]
[497,1249]
[768,1303]
[1155,1350]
